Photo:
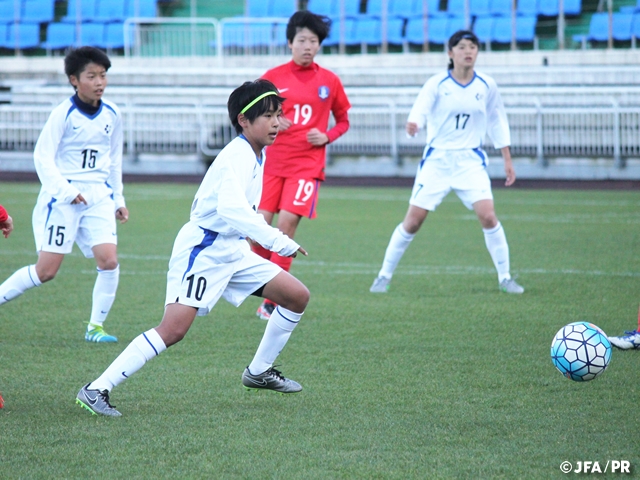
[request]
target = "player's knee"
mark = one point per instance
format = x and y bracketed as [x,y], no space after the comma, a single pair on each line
[298,299]
[46,274]
[108,264]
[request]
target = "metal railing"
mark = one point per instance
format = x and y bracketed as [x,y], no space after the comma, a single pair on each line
[377,129]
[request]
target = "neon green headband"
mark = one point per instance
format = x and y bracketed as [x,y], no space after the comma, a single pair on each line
[251,104]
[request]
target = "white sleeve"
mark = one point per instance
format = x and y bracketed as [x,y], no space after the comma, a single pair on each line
[235,210]
[423,104]
[115,175]
[497,123]
[44,157]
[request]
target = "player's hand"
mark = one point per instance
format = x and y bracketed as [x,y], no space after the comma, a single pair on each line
[510,173]
[122,214]
[302,251]
[284,123]
[317,138]
[7,227]
[412,128]
[78,199]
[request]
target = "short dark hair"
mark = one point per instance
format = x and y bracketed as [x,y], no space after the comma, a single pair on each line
[455,40]
[318,24]
[76,60]
[247,93]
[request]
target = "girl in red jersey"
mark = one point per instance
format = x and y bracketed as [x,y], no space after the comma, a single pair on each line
[6,224]
[295,163]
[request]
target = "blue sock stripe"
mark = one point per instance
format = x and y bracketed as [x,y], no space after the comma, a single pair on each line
[30,277]
[149,342]
[287,319]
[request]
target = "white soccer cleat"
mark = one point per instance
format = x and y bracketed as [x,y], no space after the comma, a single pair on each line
[380,285]
[630,340]
[509,285]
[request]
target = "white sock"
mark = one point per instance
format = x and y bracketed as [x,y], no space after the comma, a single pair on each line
[276,335]
[142,349]
[496,242]
[18,283]
[398,244]
[104,293]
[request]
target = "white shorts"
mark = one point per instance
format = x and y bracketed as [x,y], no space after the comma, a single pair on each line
[57,226]
[205,266]
[440,171]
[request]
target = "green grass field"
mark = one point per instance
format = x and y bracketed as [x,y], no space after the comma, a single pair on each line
[443,377]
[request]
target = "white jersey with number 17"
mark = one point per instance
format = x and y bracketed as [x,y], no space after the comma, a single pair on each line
[460,116]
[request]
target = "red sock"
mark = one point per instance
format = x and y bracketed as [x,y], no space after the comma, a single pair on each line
[282,262]
[260,250]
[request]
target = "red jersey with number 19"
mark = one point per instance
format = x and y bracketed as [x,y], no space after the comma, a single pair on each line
[312,93]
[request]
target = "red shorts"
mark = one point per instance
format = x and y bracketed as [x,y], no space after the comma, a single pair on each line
[295,195]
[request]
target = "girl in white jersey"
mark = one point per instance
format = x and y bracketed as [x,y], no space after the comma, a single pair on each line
[78,158]
[458,108]
[211,257]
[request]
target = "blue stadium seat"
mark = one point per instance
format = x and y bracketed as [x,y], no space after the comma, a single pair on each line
[351,7]
[92,34]
[114,35]
[374,7]
[284,8]
[501,7]
[438,30]
[110,11]
[23,35]
[415,30]
[38,11]
[401,8]
[334,35]
[141,8]
[479,8]
[453,25]
[635,25]
[483,28]
[4,27]
[87,11]
[572,7]
[8,13]
[525,29]
[60,35]
[257,8]
[550,8]
[366,30]
[247,35]
[433,6]
[328,8]
[527,8]
[455,7]
[395,27]
[599,27]
[622,23]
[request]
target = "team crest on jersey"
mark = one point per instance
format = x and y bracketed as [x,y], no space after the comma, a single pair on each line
[479,96]
[323,92]
[107,129]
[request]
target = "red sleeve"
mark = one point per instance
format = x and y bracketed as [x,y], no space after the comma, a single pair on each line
[340,111]
[3,214]
[340,128]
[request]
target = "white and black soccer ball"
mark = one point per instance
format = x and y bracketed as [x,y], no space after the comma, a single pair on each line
[581,351]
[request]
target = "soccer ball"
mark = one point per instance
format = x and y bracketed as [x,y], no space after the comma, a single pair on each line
[581,351]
